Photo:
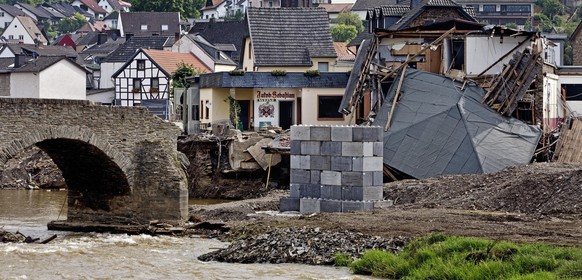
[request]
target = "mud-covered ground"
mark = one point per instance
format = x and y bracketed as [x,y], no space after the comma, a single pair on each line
[539,202]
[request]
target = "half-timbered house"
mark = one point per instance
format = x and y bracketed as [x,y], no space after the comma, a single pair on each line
[145,79]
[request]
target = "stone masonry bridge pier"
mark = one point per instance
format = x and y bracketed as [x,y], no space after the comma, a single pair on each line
[120,163]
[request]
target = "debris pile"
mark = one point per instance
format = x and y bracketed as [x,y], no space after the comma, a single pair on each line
[32,169]
[302,245]
[9,237]
[541,189]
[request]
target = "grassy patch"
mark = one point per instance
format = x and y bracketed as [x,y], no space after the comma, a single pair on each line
[342,259]
[447,257]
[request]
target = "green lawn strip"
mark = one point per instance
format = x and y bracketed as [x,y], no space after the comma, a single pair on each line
[439,256]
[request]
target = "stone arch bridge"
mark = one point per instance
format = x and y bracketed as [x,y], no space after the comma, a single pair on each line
[120,163]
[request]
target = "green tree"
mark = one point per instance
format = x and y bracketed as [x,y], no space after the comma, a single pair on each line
[343,33]
[512,25]
[350,19]
[187,8]
[551,8]
[184,71]
[71,24]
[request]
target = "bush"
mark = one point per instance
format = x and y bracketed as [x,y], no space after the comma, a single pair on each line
[311,73]
[278,72]
[342,259]
[237,72]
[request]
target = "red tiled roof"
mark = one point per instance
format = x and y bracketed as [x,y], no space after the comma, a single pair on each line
[336,8]
[215,4]
[342,51]
[169,60]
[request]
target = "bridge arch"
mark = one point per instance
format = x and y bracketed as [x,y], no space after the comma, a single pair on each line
[93,170]
[119,162]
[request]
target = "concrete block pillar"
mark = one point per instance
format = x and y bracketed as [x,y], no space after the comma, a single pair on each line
[335,168]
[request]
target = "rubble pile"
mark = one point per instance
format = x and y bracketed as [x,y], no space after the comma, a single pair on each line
[31,169]
[539,188]
[302,245]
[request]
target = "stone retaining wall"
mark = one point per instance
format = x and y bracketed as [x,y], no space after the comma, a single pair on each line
[335,169]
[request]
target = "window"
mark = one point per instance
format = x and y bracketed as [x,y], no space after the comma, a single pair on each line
[141,64]
[11,37]
[164,27]
[136,86]
[144,27]
[489,8]
[207,109]
[21,37]
[114,24]
[201,108]
[323,66]
[6,24]
[515,8]
[154,85]
[1,14]
[327,107]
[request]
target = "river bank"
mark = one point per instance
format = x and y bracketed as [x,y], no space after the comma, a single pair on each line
[535,203]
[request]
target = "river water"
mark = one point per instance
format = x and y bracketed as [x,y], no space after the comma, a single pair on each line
[118,256]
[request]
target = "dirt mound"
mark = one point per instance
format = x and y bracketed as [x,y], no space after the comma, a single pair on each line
[540,188]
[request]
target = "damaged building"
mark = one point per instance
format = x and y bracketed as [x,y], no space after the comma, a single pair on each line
[454,95]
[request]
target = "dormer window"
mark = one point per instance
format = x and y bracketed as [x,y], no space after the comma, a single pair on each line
[144,27]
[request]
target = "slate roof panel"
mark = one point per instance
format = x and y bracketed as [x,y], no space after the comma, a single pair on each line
[395,10]
[266,80]
[406,19]
[41,63]
[289,36]
[126,51]
[63,8]
[364,5]
[11,10]
[133,21]
[227,32]
[40,13]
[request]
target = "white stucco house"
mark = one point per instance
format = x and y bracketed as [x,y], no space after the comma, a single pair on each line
[8,13]
[214,9]
[22,29]
[43,77]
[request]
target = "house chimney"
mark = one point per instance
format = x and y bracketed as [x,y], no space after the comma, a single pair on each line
[128,36]
[101,38]
[415,3]
[19,60]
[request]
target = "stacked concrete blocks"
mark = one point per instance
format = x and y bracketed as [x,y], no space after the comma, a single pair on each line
[335,169]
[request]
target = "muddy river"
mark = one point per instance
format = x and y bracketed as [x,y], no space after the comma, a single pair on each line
[118,256]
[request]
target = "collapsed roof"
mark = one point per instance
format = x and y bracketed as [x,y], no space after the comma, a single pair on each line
[438,126]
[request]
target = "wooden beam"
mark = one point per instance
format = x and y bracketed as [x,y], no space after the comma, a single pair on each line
[398,88]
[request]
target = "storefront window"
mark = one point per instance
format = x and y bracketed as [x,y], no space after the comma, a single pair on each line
[327,107]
